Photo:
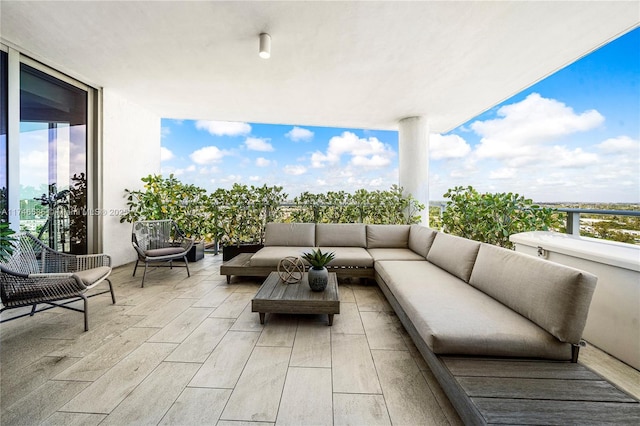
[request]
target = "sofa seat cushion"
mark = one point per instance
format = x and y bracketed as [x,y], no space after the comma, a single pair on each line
[453,317]
[270,256]
[341,235]
[350,256]
[393,254]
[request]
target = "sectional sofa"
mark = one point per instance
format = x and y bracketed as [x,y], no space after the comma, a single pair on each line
[453,295]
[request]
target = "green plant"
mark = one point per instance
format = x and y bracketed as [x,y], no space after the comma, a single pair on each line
[318,259]
[7,241]
[492,218]
[168,198]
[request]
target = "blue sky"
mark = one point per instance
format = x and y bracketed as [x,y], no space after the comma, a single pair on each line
[571,137]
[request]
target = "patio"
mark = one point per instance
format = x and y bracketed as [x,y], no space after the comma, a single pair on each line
[197,341]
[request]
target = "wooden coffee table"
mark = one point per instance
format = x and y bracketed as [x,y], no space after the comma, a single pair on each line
[275,296]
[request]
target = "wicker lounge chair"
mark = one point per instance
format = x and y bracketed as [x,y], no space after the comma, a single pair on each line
[159,241]
[36,274]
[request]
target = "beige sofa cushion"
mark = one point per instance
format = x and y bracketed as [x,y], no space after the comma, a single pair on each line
[350,256]
[454,254]
[452,317]
[554,296]
[393,254]
[290,234]
[341,235]
[388,236]
[271,255]
[421,238]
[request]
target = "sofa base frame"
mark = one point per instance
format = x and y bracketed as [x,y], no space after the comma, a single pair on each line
[486,390]
[241,266]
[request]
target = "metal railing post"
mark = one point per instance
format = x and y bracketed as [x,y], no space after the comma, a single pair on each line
[573,223]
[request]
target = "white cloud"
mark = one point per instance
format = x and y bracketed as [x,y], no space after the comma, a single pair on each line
[258,144]
[165,154]
[449,146]
[224,128]
[165,131]
[526,125]
[620,145]
[254,178]
[299,134]
[504,173]
[208,155]
[262,162]
[560,156]
[368,152]
[294,170]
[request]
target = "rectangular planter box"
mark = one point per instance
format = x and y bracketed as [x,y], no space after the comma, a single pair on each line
[229,252]
[197,252]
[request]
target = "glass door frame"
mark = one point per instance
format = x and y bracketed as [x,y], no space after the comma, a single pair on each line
[94,144]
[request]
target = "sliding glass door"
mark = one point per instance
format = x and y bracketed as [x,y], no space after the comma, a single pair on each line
[53,160]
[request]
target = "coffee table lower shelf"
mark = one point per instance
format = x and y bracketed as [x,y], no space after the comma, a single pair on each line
[275,296]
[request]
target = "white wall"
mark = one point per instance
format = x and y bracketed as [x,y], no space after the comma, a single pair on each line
[131,150]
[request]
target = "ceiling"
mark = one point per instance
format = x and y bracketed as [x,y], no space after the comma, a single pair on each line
[343,64]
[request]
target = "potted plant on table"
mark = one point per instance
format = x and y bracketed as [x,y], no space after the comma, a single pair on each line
[318,273]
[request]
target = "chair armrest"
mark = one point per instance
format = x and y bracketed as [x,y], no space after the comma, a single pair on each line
[90,261]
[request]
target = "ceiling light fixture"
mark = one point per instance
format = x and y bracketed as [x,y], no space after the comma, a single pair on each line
[265,46]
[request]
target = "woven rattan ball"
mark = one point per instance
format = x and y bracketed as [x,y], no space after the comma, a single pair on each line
[290,269]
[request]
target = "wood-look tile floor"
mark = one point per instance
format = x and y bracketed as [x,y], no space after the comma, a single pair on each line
[189,351]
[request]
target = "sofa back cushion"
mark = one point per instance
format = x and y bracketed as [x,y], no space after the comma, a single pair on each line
[455,255]
[388,236]
[421,238]
[554,296]
[290,234]
[341,235]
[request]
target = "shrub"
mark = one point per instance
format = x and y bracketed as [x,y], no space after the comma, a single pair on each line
[492,218]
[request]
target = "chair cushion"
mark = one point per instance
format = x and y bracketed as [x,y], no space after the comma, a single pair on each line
[93,276]
[350,256]
[388,236]
[421,238]
[393,254]
[290,234]
[555,296]
[454,318]
[166,251]
[454,254]
[341,235]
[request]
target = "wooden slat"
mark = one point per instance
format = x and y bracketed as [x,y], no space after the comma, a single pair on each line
[557,389]
[529,412]
[474,367]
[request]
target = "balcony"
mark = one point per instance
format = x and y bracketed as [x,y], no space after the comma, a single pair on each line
[190,351]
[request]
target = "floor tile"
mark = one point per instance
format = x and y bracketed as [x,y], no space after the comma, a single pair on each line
[94,365]
[73,419]
[359,409]
[202,341]
[150,401]
[178,329]
[352,366]
[312,346]
[383,330]
[349,321]
[233,305]
[279,330]
[103,395]
[307,398]
[409,399]
[164,316]
[214,298]
[197,406]
[370,299]
[257,393]
[225,364]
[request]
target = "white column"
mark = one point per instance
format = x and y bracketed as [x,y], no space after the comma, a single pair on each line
[13,170]
[413,161]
